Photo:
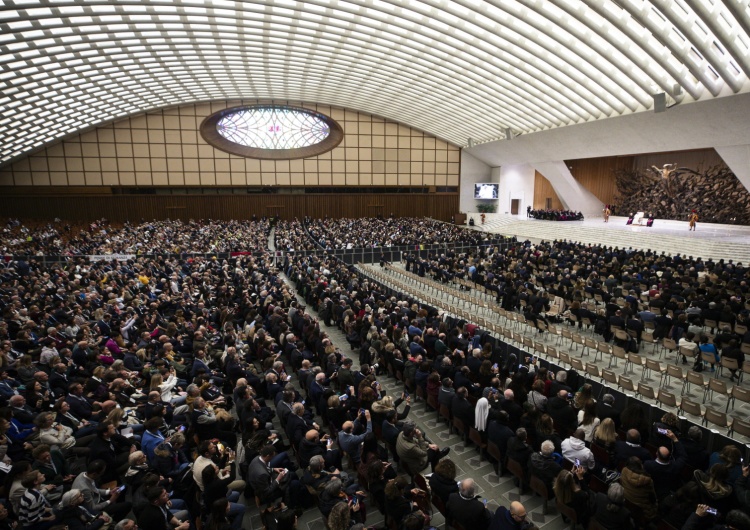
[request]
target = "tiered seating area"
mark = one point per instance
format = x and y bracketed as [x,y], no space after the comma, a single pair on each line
[652,375]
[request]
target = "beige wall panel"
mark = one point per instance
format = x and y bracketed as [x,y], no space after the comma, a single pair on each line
[160,178]
[40,178]
[192,179]
[75,178]
[239,178]
[164,148]
[6,178]
[93,178]
[38,163]
[58,178]
[110,178]
[22,178]
[176,179]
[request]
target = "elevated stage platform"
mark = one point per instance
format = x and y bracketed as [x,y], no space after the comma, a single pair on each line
[715,241]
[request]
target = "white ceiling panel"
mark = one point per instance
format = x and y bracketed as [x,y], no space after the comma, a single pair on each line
[457,69]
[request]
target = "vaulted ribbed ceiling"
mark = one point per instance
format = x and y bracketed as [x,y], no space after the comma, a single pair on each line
[456,69]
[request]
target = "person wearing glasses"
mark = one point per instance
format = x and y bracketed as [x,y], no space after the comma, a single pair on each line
[513,518]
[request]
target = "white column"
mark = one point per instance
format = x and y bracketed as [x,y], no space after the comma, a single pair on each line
[516,182]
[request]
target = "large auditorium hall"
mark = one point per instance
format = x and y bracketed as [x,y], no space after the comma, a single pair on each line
[374,264]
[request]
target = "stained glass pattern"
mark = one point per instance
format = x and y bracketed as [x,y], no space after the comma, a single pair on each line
[273,128]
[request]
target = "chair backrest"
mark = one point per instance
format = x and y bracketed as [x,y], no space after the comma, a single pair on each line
[619,352]
[717,386]
[515,467]
[476,437]
[715,417]
[730,364]
[578,339]
[695,378]
[669,344]
[708,357]
[635,359]
[646,391]
[746,367]
[604,347]
[609,376]
[741,427]
[539,347]
[564,357]
[626,383]
[552,352]
[691,407]
[653,365]
[590,343]
[494,451]
[576,363]
[675,371]
[592,369]
[538,486]
[621,334]
[741,393]
[666,398]
[745,348]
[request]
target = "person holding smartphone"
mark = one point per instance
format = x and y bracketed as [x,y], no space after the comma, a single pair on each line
[350,442]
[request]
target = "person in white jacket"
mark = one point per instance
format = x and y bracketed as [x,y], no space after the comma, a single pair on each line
[574,448]
[165,388]
[58,436]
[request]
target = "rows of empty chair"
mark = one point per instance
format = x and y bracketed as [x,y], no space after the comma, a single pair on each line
[702,397]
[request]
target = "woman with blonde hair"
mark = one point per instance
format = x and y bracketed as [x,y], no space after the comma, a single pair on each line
[571,490]
[587,419]
[381,407]
[605,436]
[165,388]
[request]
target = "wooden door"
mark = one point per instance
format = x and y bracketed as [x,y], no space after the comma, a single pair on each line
[514,203]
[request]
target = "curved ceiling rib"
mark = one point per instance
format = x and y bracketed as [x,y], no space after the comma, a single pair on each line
[457,69]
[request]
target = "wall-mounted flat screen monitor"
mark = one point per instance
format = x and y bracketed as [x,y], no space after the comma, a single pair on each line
[486,191]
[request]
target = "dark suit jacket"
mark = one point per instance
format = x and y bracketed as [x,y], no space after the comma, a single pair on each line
[607,411]
[261,480]
[80,408]
[23,414]
[464,411]
[623,451]
[563,415]
[471,513]
[296,428]
[152,517]
[499,435]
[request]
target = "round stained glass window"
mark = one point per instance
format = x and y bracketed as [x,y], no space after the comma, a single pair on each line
[272,132]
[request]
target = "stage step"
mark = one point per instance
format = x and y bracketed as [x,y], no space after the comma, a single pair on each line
[724,242]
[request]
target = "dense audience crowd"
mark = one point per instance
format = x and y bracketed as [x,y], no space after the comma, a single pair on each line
[130,389]
[555,215]
[153,237]
[373,232]
[291,236]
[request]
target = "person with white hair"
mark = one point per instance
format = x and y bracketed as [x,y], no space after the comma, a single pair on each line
[543,464]
[73,514]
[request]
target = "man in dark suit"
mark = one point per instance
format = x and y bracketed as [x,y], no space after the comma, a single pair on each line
[21,411]
[630,447]
[156,515]
[462,409]
[79,405]
[519,449]
[617,320]
[297,426]
[666,468]
[562,413]
[447,393]
[58,380]
[499,433]
[697,456]
[606,409]
[114,449]
[514,410]
[466,508]
[269,483]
